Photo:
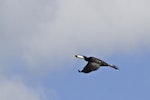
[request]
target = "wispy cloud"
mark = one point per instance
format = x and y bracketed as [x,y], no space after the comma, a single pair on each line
[41,32]
[16,89]
[40,36]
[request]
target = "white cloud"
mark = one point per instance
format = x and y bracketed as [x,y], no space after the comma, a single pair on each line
[15,89]
[39,33]
[40,36]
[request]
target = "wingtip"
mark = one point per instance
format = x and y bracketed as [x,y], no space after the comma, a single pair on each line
[79,71]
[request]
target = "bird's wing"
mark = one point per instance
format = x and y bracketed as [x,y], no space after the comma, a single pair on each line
[91,66]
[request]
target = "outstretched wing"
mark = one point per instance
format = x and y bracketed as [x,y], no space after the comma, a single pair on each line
[91,66]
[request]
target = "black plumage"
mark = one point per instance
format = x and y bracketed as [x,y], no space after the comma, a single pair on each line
[93,64]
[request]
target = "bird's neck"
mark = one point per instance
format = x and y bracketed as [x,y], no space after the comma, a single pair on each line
[86,58]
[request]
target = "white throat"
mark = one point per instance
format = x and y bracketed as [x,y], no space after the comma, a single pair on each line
[79,56]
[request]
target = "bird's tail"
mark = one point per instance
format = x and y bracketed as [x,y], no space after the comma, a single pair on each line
[113,66]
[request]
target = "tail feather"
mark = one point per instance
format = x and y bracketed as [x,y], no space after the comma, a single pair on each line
[115,67]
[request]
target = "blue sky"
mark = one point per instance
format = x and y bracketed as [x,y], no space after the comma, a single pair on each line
[38,41]
[131,82]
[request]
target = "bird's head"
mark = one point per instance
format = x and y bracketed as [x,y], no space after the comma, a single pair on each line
[80,56]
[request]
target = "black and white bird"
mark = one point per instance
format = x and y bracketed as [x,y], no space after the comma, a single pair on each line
[93,64]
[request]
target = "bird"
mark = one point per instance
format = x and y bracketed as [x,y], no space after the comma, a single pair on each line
[93,64]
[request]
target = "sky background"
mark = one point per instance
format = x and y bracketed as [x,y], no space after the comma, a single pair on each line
[38,41]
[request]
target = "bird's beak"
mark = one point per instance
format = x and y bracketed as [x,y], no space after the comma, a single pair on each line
[75,55]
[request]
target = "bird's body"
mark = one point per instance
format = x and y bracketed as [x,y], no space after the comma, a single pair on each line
[93,64]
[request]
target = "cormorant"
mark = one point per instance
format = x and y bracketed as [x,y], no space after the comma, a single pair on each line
[93,64]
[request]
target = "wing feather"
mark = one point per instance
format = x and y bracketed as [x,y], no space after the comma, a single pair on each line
[91,66]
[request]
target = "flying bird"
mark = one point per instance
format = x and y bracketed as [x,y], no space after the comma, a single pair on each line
[93,64]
